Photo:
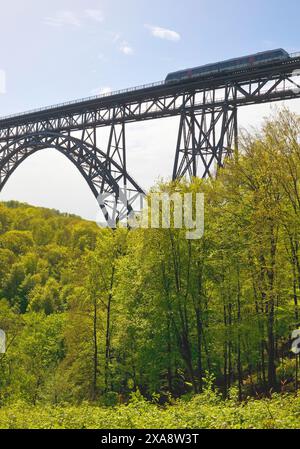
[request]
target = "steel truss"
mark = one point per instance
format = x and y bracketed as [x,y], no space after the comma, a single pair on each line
[207,112]
[107,178]
[205,139]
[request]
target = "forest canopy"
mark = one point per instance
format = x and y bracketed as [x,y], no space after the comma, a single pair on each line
[97,314]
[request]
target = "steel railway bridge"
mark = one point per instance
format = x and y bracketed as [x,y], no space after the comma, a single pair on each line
[207,135]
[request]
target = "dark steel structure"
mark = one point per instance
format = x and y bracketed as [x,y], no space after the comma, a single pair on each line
[207,111]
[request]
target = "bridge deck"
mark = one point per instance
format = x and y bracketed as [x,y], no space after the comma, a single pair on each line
[161,90]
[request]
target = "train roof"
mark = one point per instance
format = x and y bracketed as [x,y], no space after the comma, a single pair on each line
[233,59]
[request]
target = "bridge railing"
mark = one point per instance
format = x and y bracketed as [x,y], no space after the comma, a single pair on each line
[295,55]
[81,100]
[99,97]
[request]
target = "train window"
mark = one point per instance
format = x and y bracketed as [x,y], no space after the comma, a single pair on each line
[231,65]
[173,77]
[277,53]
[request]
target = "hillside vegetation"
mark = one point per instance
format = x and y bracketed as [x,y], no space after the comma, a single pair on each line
[93,315]
[206,411]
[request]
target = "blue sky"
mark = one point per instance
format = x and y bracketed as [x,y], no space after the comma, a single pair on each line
[64,49]
[58,50]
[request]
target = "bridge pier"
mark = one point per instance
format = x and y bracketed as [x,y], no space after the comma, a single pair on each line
[207,111]
[116,150]
[205,139]
[115,190]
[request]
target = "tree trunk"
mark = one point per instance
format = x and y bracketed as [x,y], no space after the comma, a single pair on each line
[95,355]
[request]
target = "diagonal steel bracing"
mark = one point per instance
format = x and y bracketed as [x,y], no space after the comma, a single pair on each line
[205,139]
[207,111]
[101,172]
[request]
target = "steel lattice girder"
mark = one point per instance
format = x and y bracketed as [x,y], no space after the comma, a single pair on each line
[204,137]
[274,84]
[102,173]
[207,130]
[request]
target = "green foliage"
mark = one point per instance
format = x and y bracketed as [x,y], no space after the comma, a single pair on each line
[137,319]
[281,412]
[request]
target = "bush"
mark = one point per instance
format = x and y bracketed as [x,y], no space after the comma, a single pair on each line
[207,411]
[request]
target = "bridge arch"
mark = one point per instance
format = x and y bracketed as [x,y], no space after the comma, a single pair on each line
[101,172]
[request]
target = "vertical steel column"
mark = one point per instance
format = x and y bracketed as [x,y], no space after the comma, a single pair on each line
[116,150]
[205,139]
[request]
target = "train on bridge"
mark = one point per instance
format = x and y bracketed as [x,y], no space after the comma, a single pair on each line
[207,134]
[230,66]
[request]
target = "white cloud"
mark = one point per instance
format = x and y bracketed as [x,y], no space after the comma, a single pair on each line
[164,33]
[102,90]
[94,14]
[124,46]
[116,37]
[70,18]
[126,49]
[62,18]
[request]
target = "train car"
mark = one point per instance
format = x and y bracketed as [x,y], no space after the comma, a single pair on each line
[229,66]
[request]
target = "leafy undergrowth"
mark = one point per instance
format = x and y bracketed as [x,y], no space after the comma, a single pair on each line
[207,411]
